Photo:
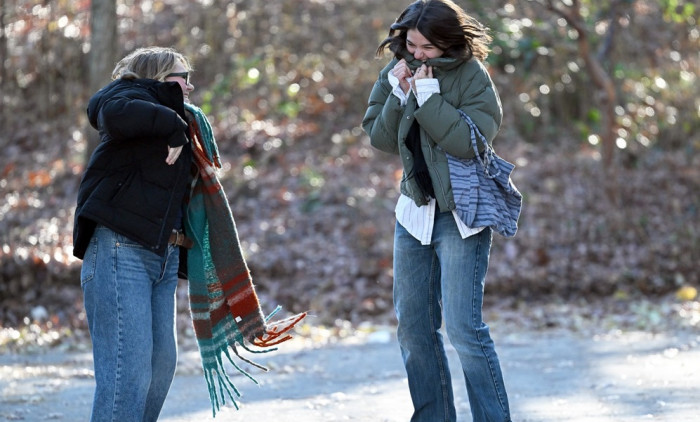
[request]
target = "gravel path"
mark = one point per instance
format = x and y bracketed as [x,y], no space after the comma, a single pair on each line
[551,376]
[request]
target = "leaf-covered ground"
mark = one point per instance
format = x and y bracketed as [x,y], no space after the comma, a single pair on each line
[322,242]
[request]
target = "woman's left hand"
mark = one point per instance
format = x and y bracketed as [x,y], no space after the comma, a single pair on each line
[173,153]
[423,72]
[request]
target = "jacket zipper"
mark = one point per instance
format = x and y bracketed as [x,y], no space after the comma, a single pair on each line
[437,172]
[167,211]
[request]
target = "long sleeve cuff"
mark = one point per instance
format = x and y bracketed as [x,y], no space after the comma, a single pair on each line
[398,92]
[425,88]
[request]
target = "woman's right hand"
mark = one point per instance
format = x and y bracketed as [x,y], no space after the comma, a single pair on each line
[402,73]
[173,154]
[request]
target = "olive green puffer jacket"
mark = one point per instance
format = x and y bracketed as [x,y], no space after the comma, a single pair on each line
[464,85]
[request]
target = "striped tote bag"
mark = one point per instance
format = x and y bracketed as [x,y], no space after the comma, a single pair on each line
[484,194]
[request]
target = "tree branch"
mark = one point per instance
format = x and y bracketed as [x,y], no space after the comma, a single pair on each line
[614,16]
[596,71]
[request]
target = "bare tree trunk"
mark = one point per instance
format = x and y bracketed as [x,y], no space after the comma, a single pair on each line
[217,34]
[602,81]
[103,52]
[3,58]
[47,80]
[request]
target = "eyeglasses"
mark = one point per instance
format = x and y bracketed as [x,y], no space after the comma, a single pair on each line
[183,75]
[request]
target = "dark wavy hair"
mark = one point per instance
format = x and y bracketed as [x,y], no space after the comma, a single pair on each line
[446,25]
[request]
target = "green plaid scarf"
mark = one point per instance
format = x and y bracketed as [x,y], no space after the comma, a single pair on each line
[225,309]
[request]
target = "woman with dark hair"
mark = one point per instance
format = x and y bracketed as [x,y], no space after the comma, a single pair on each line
[440,263]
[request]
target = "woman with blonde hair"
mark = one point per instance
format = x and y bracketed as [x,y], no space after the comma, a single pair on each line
[128,231]
[150,209]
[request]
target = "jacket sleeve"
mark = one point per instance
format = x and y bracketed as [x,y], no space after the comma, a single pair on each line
[479,100]
[384,111]
[124,118]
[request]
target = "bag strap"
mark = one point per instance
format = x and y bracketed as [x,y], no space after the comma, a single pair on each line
[488,152]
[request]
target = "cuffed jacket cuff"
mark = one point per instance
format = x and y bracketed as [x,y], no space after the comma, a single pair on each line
[178,138]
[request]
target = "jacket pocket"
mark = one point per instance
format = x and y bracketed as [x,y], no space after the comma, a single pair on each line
[87,271]
[121,187]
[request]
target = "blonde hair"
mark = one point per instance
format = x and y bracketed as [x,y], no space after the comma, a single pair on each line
[149,63]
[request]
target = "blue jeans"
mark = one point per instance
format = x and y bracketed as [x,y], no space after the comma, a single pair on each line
[129,296]
[446,276]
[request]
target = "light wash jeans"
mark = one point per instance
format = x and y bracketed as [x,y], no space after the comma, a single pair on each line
[446,276]
[129,296]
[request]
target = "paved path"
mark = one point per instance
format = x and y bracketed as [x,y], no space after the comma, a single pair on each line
[550,376]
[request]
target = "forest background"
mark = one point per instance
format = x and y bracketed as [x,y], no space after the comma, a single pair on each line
[602,119]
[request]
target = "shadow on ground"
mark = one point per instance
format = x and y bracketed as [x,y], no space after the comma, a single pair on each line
[551,375]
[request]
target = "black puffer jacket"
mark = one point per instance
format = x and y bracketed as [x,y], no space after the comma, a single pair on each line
[127,185]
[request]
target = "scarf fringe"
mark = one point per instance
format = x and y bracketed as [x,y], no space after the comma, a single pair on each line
[277,329]
[219,384]
[226,387]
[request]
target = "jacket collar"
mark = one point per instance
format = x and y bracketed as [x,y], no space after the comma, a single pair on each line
[442,63]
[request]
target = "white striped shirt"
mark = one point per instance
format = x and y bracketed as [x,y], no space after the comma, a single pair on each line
[419,221]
